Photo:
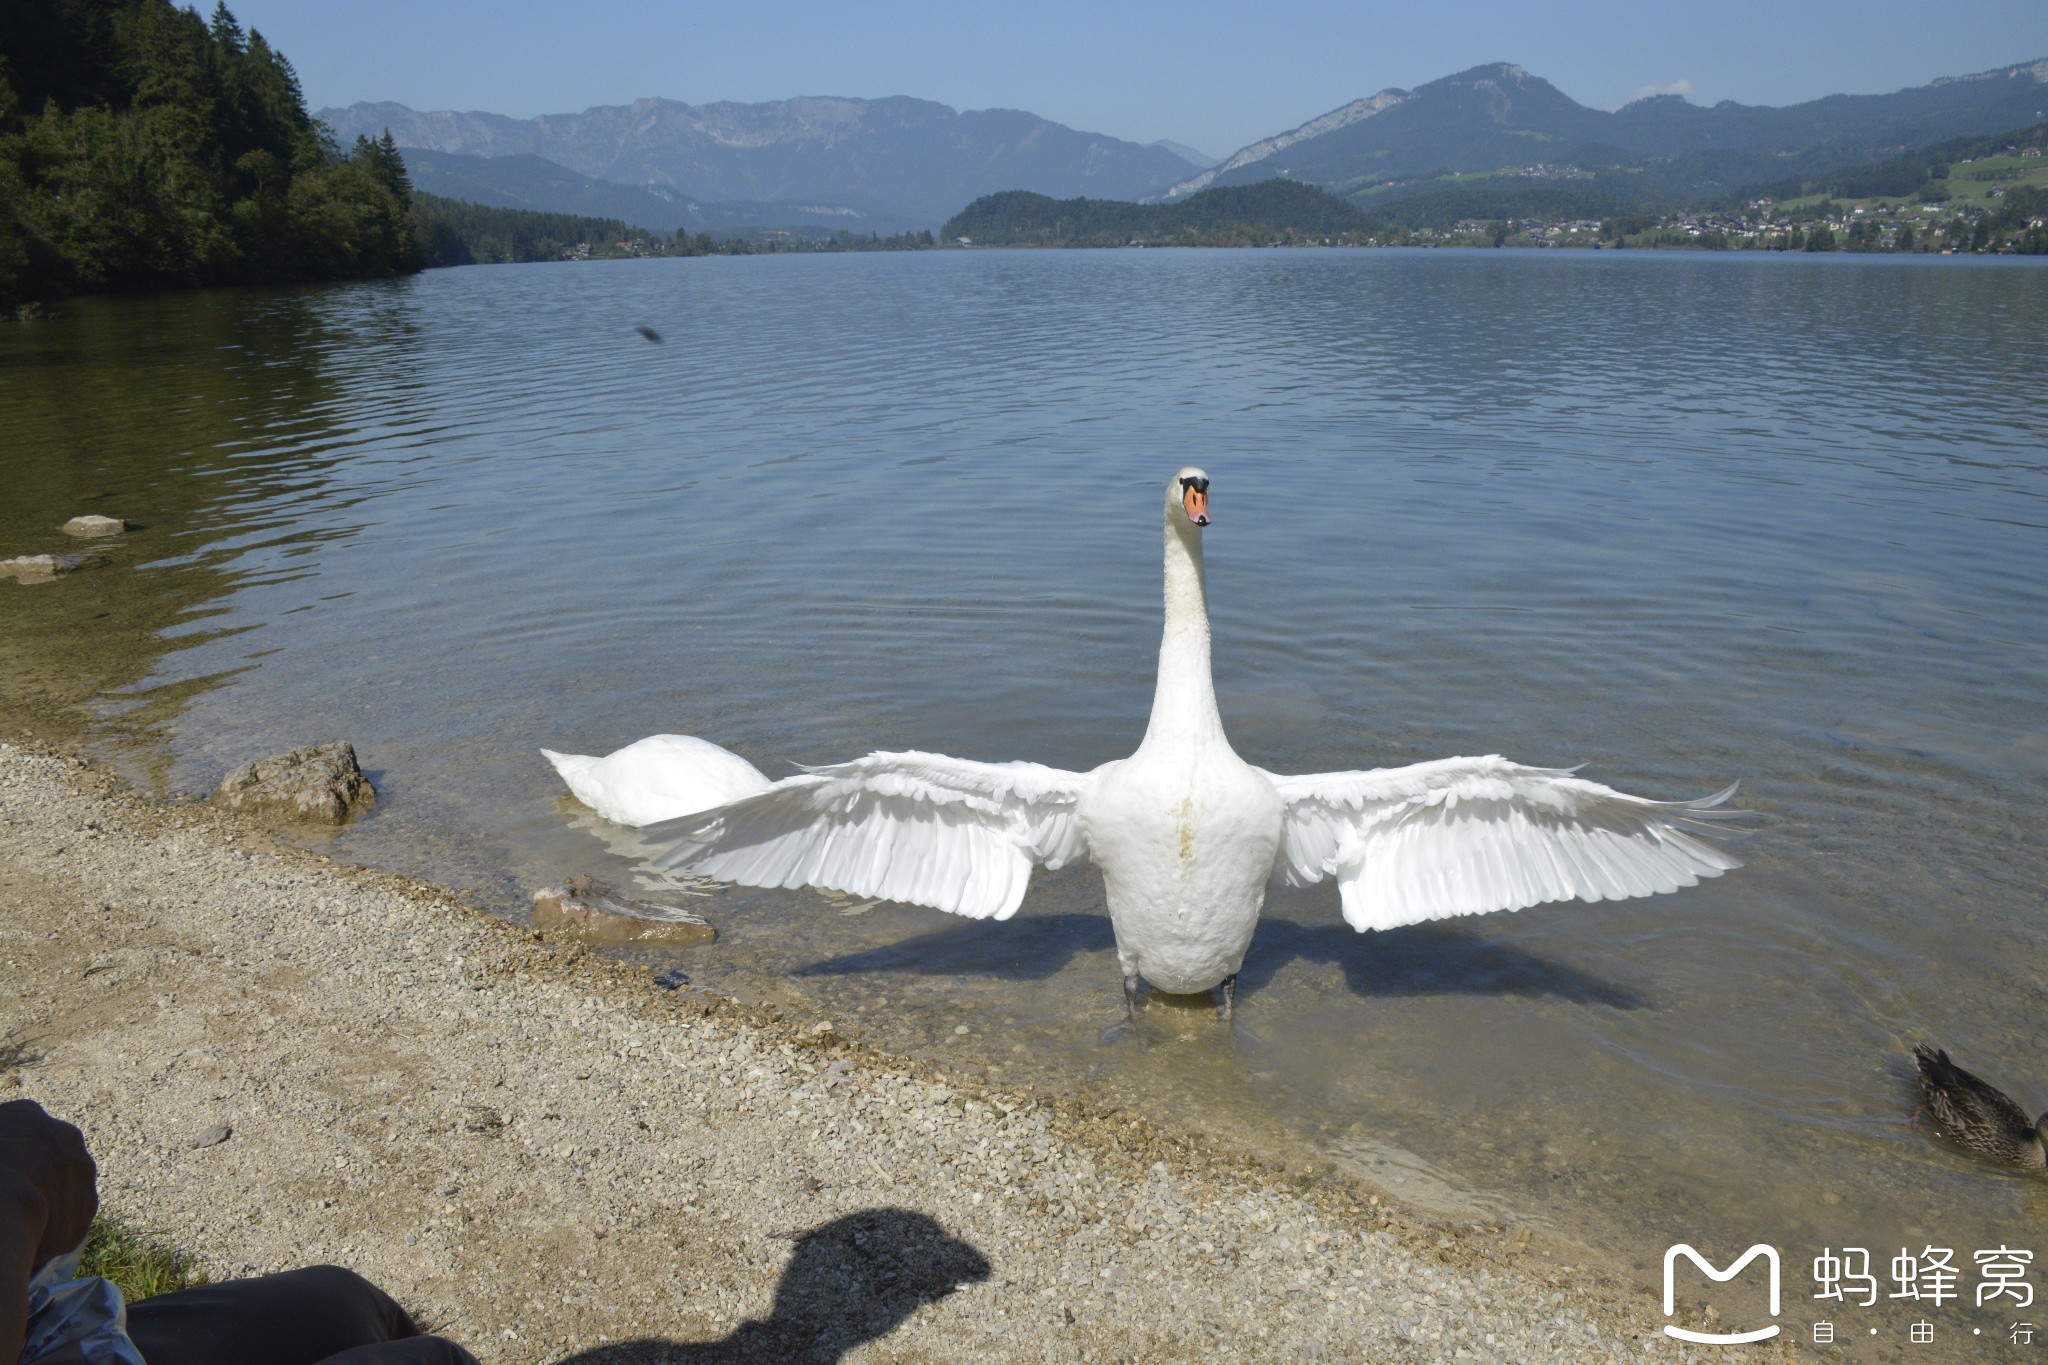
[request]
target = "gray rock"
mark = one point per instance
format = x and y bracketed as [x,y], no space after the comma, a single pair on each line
[319,782]
[590,910]
[213,1136]
[93,524]
[40,568]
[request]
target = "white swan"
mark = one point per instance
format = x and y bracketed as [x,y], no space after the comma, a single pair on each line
[658,778]
[1187,834]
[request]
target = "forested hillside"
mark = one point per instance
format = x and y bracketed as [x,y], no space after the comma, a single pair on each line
[142,147]
[1917,173]
[1242,215]
[456,232]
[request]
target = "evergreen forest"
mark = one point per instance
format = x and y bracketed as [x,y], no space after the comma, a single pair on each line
[143,147]
[458,232]
[1237,215]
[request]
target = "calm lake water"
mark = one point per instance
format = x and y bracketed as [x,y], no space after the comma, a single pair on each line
[1685,518]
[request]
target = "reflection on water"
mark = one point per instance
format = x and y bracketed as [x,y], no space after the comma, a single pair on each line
[1686,518]
[185,416]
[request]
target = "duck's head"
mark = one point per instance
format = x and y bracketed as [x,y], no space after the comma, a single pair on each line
[1188,496]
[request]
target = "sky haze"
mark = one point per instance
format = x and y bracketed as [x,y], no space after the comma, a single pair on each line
[1213,75]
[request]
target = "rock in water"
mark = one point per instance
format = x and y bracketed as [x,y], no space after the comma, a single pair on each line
[312,782]
[94,525]
[40,568]
[597,914]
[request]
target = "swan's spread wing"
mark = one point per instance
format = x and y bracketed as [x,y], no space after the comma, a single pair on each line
[1466,836]
[946,832]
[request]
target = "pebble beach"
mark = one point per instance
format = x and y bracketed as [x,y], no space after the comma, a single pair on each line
[281,1060]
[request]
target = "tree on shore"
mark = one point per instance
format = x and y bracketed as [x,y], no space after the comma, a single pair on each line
[142,147]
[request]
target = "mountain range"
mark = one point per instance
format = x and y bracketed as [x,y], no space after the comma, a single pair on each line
[532,182]
[1500,117]
[888,165]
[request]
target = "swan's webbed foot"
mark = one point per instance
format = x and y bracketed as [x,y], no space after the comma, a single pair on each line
[1229,997]
[1131,988]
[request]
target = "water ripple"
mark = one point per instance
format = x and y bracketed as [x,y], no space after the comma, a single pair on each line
[1687,517]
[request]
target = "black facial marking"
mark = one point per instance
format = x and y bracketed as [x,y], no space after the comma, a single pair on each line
[1199,485]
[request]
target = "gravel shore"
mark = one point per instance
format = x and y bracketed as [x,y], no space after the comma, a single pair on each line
[548,1157]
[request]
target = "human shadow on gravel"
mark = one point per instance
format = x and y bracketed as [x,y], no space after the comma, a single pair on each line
[1421,959]
[850,1281]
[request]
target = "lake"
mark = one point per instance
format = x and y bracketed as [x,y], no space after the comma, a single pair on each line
[1683,517]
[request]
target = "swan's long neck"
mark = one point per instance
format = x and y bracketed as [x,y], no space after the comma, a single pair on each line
[1184,704]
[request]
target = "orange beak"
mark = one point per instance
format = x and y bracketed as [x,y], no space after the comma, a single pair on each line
[1195,503]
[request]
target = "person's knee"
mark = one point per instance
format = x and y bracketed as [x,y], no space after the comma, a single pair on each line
[291,1317]
[341,1287]
[336,1281]
[411,1351]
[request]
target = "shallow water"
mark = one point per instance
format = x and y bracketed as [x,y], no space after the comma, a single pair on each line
[1686,518]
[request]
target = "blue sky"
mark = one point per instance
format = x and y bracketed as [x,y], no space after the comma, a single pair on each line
[1211,74]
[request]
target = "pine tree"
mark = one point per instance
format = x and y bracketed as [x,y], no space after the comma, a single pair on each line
[143,147]
[227,34]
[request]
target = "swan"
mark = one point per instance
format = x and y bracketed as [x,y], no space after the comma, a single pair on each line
[1187,834]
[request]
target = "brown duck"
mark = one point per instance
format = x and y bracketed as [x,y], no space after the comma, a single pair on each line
[1980,1118]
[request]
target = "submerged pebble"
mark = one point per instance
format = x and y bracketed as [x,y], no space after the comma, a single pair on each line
[591,910]
[40,568]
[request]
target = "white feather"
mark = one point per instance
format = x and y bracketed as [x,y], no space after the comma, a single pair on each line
[658,778]
[1468,836]
[950,833]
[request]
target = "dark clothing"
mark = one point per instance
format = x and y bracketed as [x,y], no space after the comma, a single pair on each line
[411,1351]
[320,1315]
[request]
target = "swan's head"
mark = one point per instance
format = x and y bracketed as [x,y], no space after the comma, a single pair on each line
[1189,493]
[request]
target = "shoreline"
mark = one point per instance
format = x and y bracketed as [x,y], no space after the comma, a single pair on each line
[475,1118]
